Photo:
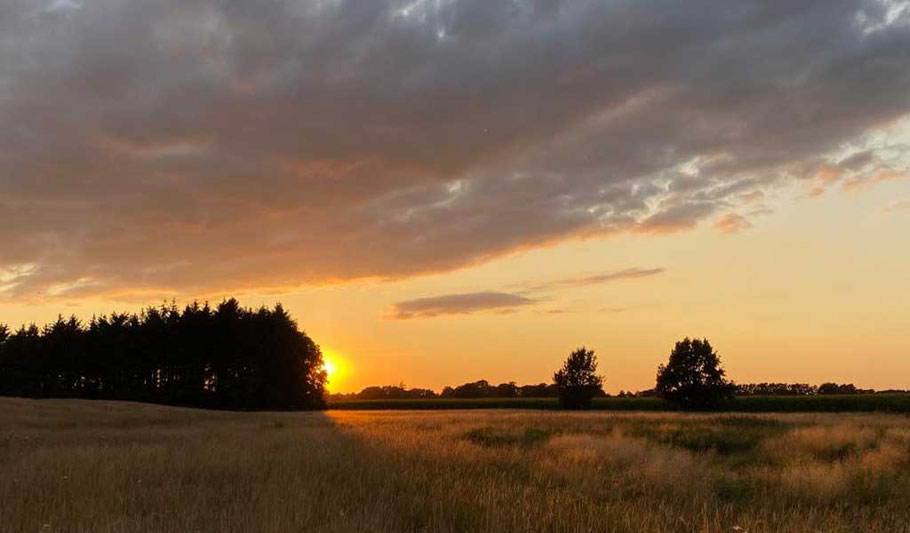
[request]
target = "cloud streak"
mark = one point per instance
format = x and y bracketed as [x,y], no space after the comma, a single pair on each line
[595,279]
[188,147]
[473,302]
[458,304]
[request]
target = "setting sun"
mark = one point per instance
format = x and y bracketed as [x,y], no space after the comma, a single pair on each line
[333,370]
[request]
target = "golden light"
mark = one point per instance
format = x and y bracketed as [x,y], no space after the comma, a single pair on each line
[334,369]
[329,366]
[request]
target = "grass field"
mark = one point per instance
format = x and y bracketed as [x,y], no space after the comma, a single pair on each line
[106,466]
[892,403]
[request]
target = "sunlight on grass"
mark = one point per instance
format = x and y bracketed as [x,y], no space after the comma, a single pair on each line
[108,466]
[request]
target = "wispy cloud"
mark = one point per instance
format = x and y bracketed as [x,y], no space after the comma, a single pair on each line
[524,295]
[731,223]
[458,304]
[902,204]
[584,280]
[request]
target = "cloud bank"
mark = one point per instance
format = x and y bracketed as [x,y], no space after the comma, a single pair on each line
[185,146]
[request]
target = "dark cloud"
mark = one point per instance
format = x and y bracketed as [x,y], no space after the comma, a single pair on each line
[858,160]
[164,146]
[458,304]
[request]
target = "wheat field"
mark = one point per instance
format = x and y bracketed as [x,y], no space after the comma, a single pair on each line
[70,465]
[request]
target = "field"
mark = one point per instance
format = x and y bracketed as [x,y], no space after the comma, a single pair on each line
[72,465]
[892,403]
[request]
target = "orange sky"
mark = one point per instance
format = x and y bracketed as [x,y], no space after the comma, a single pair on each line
[450,191]
[819,290]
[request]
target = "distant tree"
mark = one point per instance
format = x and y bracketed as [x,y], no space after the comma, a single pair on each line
[421,393]
[389,392]
[577,381]
[506,390]
[835,388]
[541,390]
[693,377]
[775,389]
[476,389]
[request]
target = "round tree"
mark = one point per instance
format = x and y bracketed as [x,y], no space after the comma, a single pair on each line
[693,377]
[577,381]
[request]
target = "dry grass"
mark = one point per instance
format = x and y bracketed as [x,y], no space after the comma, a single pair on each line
[97,466]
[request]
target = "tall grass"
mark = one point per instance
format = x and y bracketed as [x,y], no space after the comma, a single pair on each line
[105,466]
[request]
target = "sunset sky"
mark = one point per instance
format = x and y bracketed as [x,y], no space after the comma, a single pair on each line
[442,191]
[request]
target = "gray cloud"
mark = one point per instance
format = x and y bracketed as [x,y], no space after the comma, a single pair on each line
[457,304]
[182,147]
[506,302]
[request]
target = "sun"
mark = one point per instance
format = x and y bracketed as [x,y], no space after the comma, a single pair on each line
[329,366]
[334,369]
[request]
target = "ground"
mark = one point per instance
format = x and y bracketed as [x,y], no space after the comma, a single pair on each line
[106,466]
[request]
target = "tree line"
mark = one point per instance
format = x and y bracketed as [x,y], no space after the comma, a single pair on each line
[226,357]
[692,378]
[230,357]
[485,389]
[475,389]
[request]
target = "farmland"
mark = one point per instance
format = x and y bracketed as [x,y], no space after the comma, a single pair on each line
[72,465]
[894,403]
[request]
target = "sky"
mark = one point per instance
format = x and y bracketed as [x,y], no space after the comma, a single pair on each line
[441,191]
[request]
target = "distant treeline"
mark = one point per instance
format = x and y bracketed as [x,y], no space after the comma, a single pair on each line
[779,389]
[225,357]
[484,389]
[800,389]
[474,389]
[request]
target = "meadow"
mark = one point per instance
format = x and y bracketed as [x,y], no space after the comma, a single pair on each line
[75,465]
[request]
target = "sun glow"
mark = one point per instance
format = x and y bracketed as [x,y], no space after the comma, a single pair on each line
[333,370]
[329,366]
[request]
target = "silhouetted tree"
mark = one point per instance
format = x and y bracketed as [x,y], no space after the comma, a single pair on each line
[577,381]
[835,388]
[228,357]
[506,390]
[775,389]
[693,377]
[476,389]
[387,392]
[541,390]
